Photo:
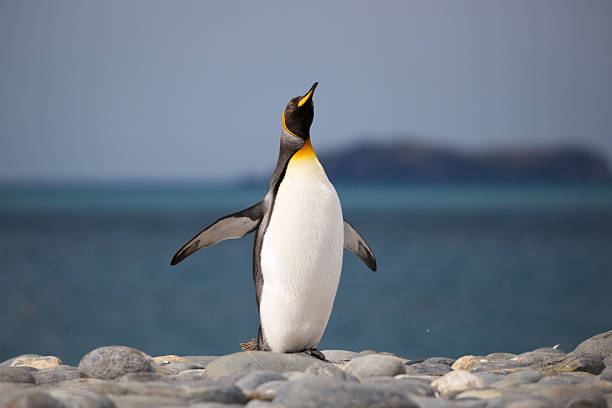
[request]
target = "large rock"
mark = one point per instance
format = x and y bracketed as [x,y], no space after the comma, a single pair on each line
[247,361]
[457,381]
[580,362]
[114,361]
[375,365]
[16,375]
[338,394]
[599,345]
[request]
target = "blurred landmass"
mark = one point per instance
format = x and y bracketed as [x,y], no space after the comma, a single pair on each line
[406,161]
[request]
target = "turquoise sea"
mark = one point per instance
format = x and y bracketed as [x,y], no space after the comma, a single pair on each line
[462,269]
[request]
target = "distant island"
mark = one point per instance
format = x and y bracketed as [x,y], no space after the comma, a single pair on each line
[411,162]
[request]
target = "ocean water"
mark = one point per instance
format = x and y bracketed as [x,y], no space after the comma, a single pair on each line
[462,270]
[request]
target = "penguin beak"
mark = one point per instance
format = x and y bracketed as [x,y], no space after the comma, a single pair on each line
[308,95]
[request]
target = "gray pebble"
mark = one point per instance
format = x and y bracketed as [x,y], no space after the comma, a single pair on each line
[29,399]
[140,377]
[599,345]
[247,361]
[16,375]
[114,361]
[251,381]
[331,371]
[176,367]
[375,365]
[74,397]
[490,378]
[329,393]
[56,374]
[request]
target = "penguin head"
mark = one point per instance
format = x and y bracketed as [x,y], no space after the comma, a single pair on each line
[299,113]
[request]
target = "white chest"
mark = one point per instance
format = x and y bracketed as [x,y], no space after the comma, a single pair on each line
[301,259]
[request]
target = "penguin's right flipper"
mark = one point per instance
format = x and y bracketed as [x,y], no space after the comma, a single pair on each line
[357,245]
[231,226]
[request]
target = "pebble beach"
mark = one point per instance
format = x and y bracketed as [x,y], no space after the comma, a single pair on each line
[118,376]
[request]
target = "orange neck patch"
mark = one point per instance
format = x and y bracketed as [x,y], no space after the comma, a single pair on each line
[305,153]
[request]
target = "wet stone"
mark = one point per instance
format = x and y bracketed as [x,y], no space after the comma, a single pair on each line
[375,365]
[247,361]
[322,393]
[114,361]
[56,374]
[16,375]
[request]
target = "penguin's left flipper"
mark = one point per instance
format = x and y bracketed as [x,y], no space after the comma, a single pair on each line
[231,226]
[357,245]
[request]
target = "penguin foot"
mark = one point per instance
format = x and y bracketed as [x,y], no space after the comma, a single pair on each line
[315,353]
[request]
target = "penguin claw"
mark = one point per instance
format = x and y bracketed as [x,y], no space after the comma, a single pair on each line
[315,353]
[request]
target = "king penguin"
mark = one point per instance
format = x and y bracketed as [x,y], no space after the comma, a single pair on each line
[300,234]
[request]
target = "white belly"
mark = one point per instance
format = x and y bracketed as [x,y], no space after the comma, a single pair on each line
[301,260]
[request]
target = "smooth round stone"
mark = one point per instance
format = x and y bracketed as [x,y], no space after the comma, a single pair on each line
[339,355]
[466,362]
[37,362]
[340,394]
[7,363]
[114,361]
[29,399]
[251,381]
[81,397]
[375,365]
[248,361]
[599,345]
[457,381]
[56,374]
[331,371]
[426,368]
[16,375]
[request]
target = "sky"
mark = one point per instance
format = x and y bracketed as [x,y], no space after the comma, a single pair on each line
[194,90]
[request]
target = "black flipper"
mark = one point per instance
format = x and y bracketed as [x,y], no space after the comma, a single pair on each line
[357,245]
[231,226]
